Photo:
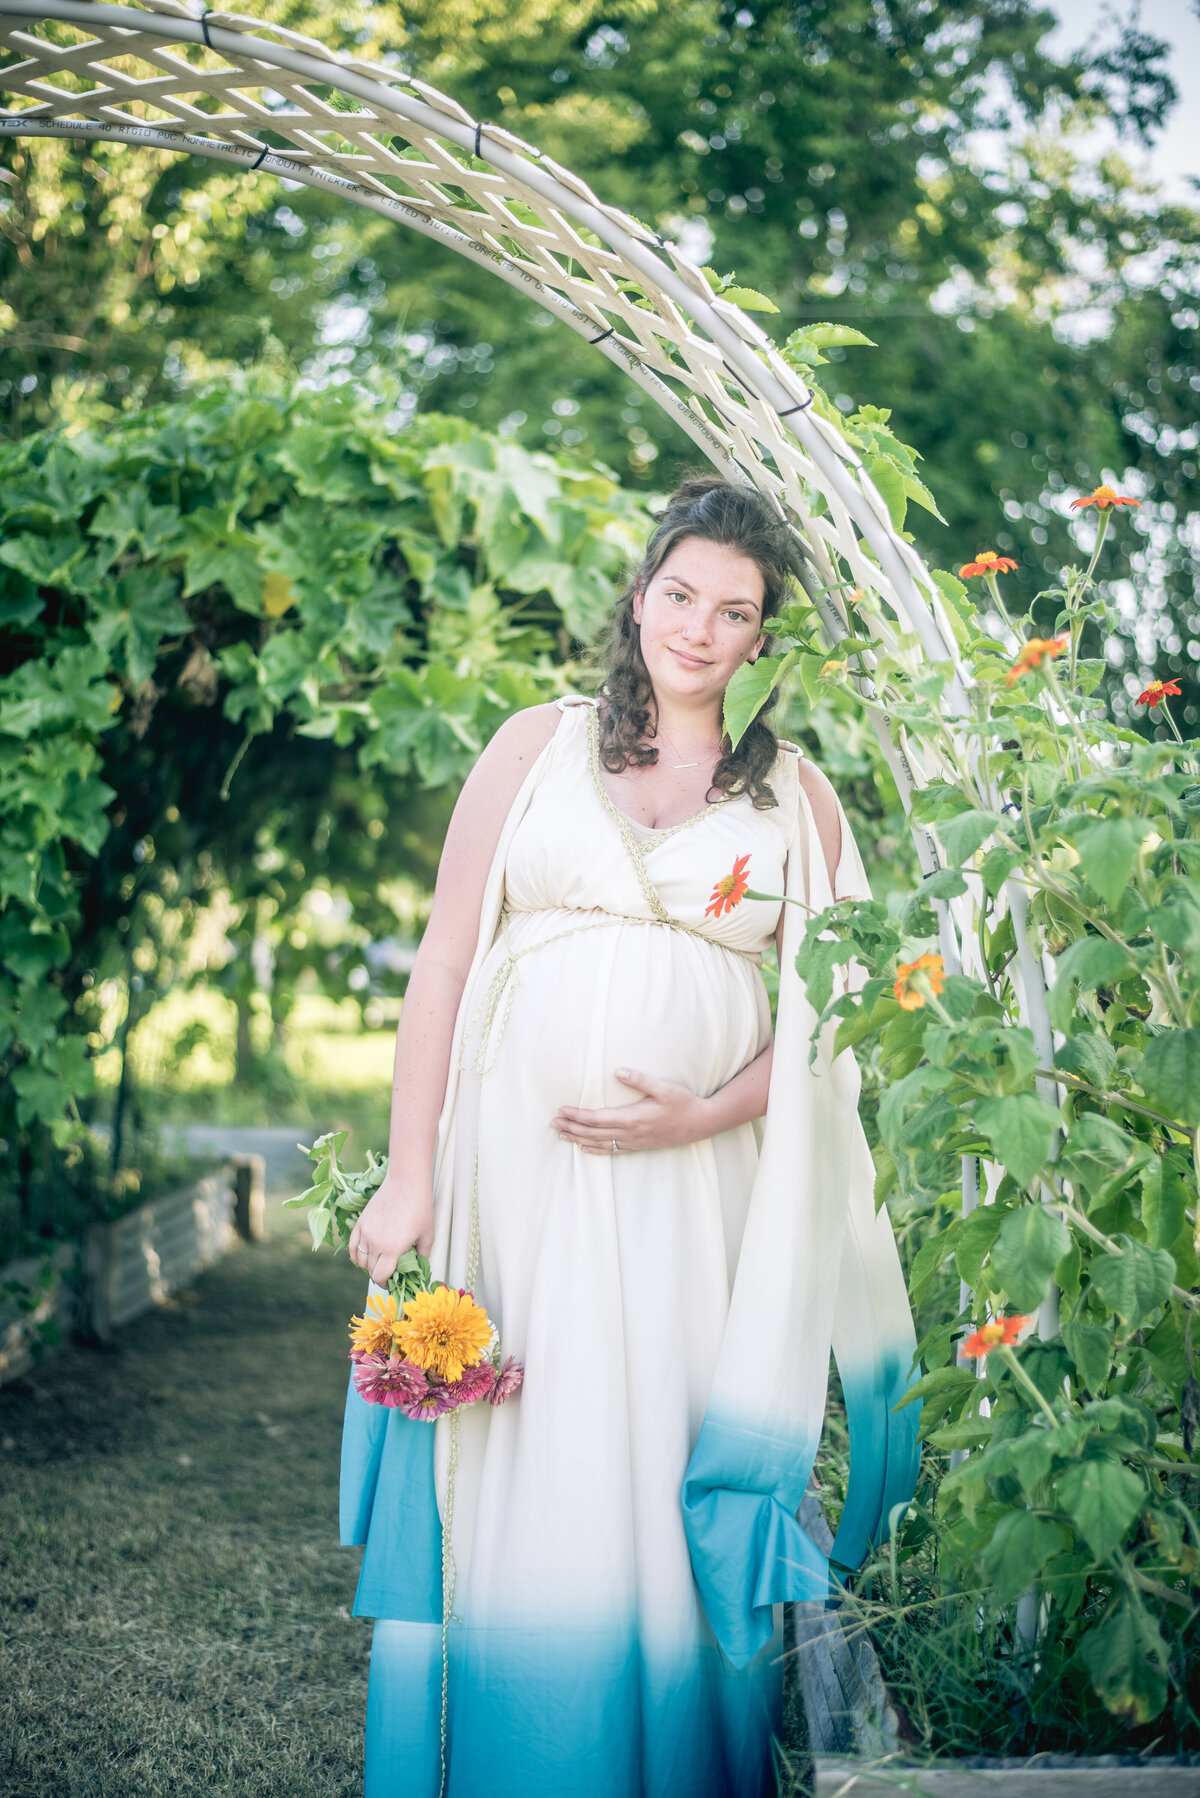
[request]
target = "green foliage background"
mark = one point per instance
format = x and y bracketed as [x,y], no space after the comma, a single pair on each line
[922,169]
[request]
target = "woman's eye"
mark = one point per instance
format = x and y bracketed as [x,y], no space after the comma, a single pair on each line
[682,596]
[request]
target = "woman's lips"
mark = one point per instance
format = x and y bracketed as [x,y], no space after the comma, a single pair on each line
[687,660]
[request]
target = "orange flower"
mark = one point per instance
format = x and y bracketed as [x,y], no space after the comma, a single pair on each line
[730,890]
[1037,650]
[1102,498]
[916,979]
[1158,691]
[986,562]
[998,1332]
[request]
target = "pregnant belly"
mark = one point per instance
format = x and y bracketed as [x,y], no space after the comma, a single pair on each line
[617,995]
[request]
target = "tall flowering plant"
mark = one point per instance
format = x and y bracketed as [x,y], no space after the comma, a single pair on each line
[1057,1372]
[421,1346]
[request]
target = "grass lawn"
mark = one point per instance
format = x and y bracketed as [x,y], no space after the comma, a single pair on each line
[174,1607]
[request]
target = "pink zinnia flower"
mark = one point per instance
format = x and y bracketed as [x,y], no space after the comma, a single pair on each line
[507,1381]
[387,1380]
[431,1403]
[476,1383]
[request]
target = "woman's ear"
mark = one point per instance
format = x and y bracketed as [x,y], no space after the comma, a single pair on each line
[639,594]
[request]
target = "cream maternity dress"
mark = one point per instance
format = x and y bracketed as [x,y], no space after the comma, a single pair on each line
[623,1530]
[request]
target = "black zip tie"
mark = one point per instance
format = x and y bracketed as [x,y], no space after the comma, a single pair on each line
[478,135]
[802,407]
[735,374]
[1010,805]
[204,26]
[603,335]
[260,159]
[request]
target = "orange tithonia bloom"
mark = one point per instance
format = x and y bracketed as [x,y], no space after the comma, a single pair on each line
[1035,652]
[1157,691]
[914,977]
[1102,498]
[375,1333]
[986,562]
[999,1332]
[444,1331]
[730,890]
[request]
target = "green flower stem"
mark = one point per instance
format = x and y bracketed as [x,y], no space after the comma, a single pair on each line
[1113,1098]
[1101,533]
[1166,712]
[1013,1363]
[993,587]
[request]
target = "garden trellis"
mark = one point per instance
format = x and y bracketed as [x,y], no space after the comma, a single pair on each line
[251,94]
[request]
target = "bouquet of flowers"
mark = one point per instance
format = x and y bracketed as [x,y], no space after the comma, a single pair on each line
[422,1346]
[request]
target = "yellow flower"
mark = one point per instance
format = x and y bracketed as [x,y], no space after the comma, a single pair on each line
[444,1331]
[375,1333]
[278,594]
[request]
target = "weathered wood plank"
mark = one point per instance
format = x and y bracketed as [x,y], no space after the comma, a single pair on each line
[1052,1776]
[846,1703]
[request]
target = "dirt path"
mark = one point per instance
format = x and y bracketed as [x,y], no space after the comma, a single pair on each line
[174,1607]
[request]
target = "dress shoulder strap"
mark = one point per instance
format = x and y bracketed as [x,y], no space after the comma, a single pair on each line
[573,699]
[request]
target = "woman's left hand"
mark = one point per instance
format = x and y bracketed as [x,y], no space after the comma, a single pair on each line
[667,1116]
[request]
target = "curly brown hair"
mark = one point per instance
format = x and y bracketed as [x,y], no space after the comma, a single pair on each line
[740,518]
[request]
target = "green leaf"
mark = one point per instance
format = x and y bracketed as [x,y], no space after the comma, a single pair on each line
[1032,1240]
[750,687]
[1096,1151]
[946,883]
[1091,962]
[1133,1283]
[961,836]
[968,1432]
[996,867]
[1102,1497]
[1089,1055]
[1090,1347]
[749,299]
[1020,1128]
[1164,1203]
[831,337]
[1127,1660]
[1020,1546]
[1107,850]
[890,482]
[975,1237]
[1169,1075]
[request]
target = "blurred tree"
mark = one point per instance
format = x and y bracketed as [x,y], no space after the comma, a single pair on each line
[918,167]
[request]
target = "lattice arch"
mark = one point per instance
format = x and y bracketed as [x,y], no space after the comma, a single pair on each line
[253,94]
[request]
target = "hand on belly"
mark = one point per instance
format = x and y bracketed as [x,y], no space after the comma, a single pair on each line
[665,1117]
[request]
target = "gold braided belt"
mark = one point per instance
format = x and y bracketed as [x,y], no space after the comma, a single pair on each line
[491,1013]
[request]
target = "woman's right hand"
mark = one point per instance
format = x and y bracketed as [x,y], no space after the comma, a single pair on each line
[396,1218]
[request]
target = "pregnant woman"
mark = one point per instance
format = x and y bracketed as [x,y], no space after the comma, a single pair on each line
[666,1213]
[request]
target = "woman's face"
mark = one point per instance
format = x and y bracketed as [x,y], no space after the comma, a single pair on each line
[700,617]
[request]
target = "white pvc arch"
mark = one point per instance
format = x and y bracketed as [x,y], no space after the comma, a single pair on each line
[139,75]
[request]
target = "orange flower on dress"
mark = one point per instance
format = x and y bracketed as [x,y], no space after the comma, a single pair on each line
[986,562]
[913,977]
[1102,498]
[998,1332]
[730,890]
[1035,652]
[1157,691]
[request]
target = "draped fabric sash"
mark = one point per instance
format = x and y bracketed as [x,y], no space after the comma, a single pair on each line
[817,1268]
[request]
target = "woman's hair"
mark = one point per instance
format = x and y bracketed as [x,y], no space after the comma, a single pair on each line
[741,519]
